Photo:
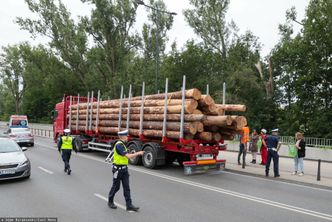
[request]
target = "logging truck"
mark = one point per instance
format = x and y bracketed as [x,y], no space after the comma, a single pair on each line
[168,127]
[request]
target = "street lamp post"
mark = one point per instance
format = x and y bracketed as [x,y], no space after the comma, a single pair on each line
[140,2]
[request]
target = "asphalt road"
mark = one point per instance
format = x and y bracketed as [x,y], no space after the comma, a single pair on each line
[163,195]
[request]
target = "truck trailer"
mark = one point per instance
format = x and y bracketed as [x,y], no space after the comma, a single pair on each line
[195,155]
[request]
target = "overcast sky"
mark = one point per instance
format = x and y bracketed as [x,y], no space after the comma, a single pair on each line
[262,17]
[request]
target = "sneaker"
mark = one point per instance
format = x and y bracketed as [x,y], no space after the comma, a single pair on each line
[301,174]
[278,175]
[112,205]
[132,208]
[69,171]
[65,170]
[294,173]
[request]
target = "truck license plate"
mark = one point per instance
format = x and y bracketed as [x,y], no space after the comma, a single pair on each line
[7,172]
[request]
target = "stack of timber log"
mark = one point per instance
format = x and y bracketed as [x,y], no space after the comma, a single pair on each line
[203,118]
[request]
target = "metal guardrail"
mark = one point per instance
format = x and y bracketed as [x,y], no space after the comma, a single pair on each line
[42,132]
[310,141]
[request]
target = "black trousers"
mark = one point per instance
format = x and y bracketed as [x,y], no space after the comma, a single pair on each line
[118,177]
[271,154]
[243,152]
[66,157]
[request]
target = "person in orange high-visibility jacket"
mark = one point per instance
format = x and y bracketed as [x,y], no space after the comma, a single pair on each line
[243,144]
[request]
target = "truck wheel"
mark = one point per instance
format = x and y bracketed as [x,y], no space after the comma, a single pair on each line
[149,157]
[132,149]
[78,143]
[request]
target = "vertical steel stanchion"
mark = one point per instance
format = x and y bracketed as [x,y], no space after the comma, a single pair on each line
[87,112]
[120,109]
[70,104]
[142,111]
[97,117]
[91,111]
[318,170]
[182,107]
[207,90]
[165,109]
[128,106]
[77,111]
[224,94]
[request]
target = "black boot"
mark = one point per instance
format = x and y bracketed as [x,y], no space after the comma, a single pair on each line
[69,171]
[112,205]
[132,208]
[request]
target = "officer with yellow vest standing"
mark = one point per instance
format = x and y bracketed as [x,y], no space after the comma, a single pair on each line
[120,171]
[65,146]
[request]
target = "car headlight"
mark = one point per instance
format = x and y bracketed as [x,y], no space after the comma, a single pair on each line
[24,163]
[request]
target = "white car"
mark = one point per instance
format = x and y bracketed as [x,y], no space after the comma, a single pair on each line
[13,162]
[22,136]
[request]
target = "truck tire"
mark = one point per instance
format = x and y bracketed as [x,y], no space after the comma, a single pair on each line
[134,147]
[149,157]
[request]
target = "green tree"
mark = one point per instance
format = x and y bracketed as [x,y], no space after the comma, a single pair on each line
[303,71]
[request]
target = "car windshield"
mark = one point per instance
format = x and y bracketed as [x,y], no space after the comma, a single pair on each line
[7,146]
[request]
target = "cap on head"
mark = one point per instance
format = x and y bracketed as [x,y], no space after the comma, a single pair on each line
[66,131]
[263,131]
[123,133]
[275,130]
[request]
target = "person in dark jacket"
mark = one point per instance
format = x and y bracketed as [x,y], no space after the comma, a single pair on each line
[65,145]
[273,146]
[298,159]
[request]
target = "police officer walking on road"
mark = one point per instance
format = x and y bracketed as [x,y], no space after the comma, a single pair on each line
[120,171]
[65,145]
[273,146]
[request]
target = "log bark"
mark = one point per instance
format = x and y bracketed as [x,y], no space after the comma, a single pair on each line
[190,128]
[137,110]
[239,122]
[138,103]
[205,100]
[211,128]
[207,136]
[197,112]
[146,117]
[232,107]
[135,132]
[216,137]
[190,94]
[217,121]
[199,127]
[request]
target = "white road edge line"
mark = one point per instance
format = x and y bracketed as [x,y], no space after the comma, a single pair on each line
[228,192]
[45,170]
[104,198]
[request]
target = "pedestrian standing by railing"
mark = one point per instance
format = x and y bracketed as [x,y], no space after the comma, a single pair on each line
[263,147]
[254,140]
[273,146]
[243,145]
[298,159]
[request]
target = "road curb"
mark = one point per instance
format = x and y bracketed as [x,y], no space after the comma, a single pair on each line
[278,179]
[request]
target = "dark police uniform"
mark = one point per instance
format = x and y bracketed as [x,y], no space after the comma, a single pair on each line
[272,153]
[120,173]
[65,145]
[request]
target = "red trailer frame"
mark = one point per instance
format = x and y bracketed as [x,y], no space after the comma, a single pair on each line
[195,155]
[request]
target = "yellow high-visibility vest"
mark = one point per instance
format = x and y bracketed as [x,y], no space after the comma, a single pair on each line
[67,143]
[118,159]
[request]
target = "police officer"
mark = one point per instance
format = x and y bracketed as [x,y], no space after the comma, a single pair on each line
[65,145]
[120,171]
[273,146]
